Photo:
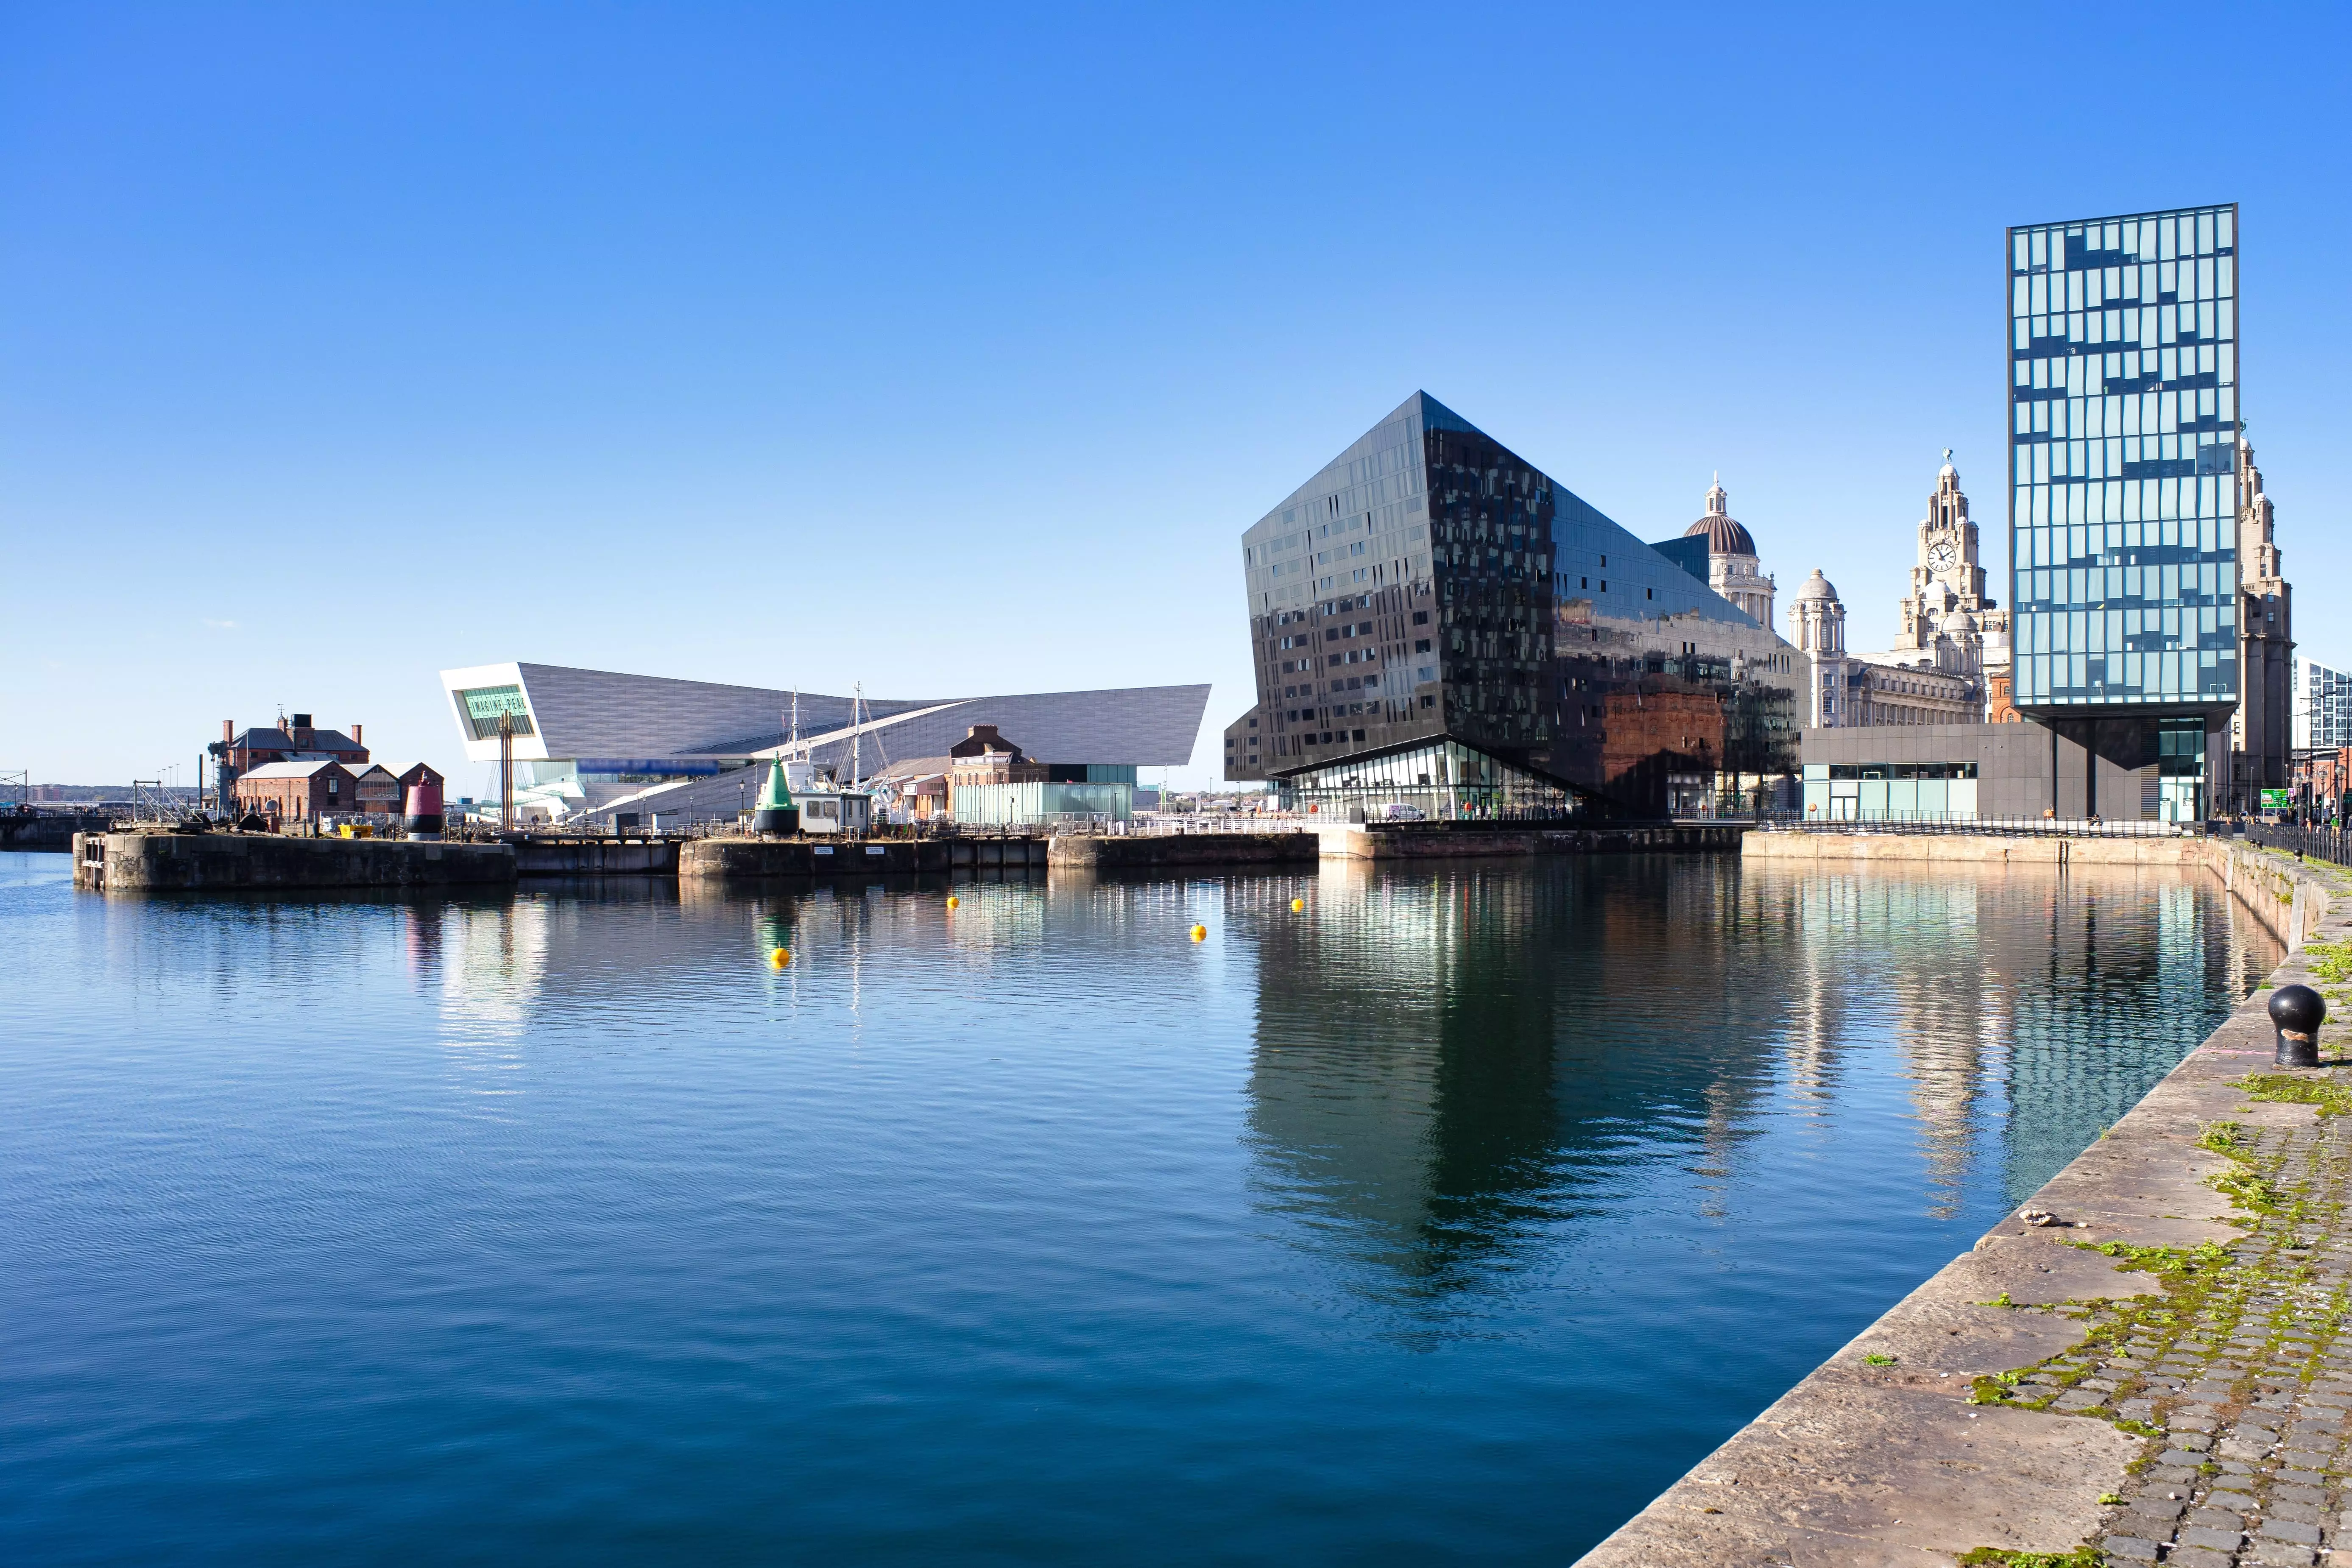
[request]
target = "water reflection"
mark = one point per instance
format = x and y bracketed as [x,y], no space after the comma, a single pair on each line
[1447,1218]
[1448,1062]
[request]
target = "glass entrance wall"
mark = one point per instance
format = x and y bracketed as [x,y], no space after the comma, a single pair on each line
[1447,781]
[1890,791]
[2181,770]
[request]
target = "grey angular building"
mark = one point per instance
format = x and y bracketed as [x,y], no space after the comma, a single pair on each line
[1439,625]
[585,739]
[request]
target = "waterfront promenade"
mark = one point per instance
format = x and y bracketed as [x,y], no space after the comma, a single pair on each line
[2142,1362]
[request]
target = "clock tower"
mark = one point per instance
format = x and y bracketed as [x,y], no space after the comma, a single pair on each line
[1946,615]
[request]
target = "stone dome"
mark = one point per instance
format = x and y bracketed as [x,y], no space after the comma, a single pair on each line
[1723,536]
[1817,587]
[1960,623]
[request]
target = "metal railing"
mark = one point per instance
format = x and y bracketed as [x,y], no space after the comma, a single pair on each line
[2330,844]
[2012,827]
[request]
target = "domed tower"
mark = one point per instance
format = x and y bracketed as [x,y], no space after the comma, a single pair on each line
[1817,625]
[1959,645]
[1732,568]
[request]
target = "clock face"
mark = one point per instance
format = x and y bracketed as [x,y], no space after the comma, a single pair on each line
[1941,555]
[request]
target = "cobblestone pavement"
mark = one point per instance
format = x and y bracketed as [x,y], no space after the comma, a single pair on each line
[2238,1371]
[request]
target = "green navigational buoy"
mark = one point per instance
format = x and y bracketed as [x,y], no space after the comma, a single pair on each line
[776,813]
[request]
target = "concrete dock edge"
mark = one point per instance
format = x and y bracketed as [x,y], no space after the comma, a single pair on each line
[1888,1461]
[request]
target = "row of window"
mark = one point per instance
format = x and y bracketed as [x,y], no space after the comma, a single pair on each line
[1893,769]
[2150,414]
[2187,676]
[2092,462]
[2204,629]
[2126,241]
[2144,283]
[2069,371]
[2126,587]
[2208,499]
[2141,545]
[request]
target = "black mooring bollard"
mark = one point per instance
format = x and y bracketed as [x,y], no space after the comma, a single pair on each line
[2297,1010]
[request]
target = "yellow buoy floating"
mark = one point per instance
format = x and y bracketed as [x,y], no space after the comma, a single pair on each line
[1296,905]
[779,958]
[1199,934]
[953,900]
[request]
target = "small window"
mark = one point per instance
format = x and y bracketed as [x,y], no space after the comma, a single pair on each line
[1421,618]
[1421,646]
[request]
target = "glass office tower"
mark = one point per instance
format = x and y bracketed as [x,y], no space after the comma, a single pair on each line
[2123,419]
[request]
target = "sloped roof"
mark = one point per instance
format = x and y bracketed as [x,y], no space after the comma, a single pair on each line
[301,770]
[274,740]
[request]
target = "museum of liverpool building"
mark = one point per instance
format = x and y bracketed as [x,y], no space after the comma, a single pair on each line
[1441,629]
[589,743]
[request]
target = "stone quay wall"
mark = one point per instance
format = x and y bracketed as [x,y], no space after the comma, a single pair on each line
[48,830]
[2151,1360]
[537,856]
[160,862]
[1086,852]
[2272,886]
[1355,841]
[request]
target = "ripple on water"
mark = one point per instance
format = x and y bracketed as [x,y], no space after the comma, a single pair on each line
[1447,1219]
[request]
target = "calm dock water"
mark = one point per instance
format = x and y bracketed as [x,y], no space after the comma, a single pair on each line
[1447,1220]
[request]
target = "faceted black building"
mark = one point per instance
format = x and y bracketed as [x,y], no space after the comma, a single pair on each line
[1439,626]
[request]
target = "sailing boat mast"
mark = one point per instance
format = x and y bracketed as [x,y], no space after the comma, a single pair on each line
[856,703]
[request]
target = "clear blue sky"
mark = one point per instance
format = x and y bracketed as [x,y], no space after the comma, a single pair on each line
[950,349]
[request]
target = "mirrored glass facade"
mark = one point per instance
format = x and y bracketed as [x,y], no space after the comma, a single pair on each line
[2124,417]
[1429,583]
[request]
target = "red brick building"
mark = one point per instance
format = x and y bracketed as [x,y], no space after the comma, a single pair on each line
[298,791]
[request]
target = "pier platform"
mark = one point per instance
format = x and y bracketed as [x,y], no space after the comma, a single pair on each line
[148,861]
[50,830]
